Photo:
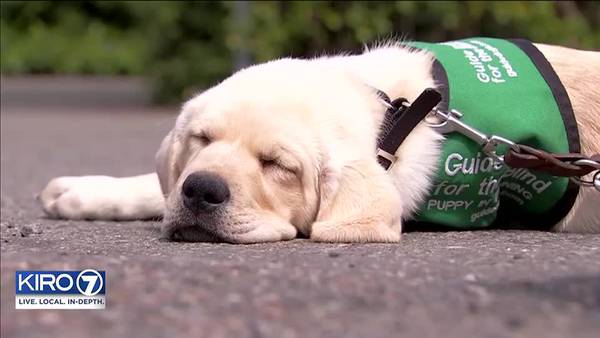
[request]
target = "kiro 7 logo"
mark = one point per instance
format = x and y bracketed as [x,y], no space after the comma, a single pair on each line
[60,289]
[94,281]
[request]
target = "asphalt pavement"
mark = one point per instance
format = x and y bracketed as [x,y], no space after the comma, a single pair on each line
[436,284]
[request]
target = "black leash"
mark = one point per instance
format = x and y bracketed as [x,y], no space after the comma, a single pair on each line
[400,119]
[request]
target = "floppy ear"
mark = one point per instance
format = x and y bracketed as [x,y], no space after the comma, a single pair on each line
[358,204]
[166,163]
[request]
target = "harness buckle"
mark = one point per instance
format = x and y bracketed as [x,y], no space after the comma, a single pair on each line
[385,156]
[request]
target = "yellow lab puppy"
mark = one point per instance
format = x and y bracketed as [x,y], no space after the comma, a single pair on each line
[288,147]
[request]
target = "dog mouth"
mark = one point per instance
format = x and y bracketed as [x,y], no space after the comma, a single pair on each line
[193,234]
[182,226]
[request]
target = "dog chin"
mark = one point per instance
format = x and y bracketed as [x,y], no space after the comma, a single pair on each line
[186,227]
[238,229]
[197,232]
[191,234]
[182,226]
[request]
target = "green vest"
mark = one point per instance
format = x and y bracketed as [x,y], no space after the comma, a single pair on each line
[505,88]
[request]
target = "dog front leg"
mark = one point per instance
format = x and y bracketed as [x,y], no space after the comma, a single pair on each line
[364,208]
[103,198]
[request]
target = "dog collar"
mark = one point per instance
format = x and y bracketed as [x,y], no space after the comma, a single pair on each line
[400,119]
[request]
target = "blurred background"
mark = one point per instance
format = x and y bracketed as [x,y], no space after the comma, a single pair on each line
[179,47]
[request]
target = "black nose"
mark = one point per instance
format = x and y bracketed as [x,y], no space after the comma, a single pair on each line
[203,191]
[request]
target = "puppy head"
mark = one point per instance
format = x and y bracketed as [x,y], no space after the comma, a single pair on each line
[289,146]
[251,159]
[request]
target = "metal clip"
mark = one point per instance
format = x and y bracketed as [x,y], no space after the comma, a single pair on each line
[451,123]
[595,182]
[491,147]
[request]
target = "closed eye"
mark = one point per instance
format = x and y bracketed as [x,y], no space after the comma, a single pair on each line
[270,163]
[266,162]
[281,161]
[203,137]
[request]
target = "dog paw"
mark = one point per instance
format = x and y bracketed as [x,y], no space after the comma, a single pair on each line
[80,198]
